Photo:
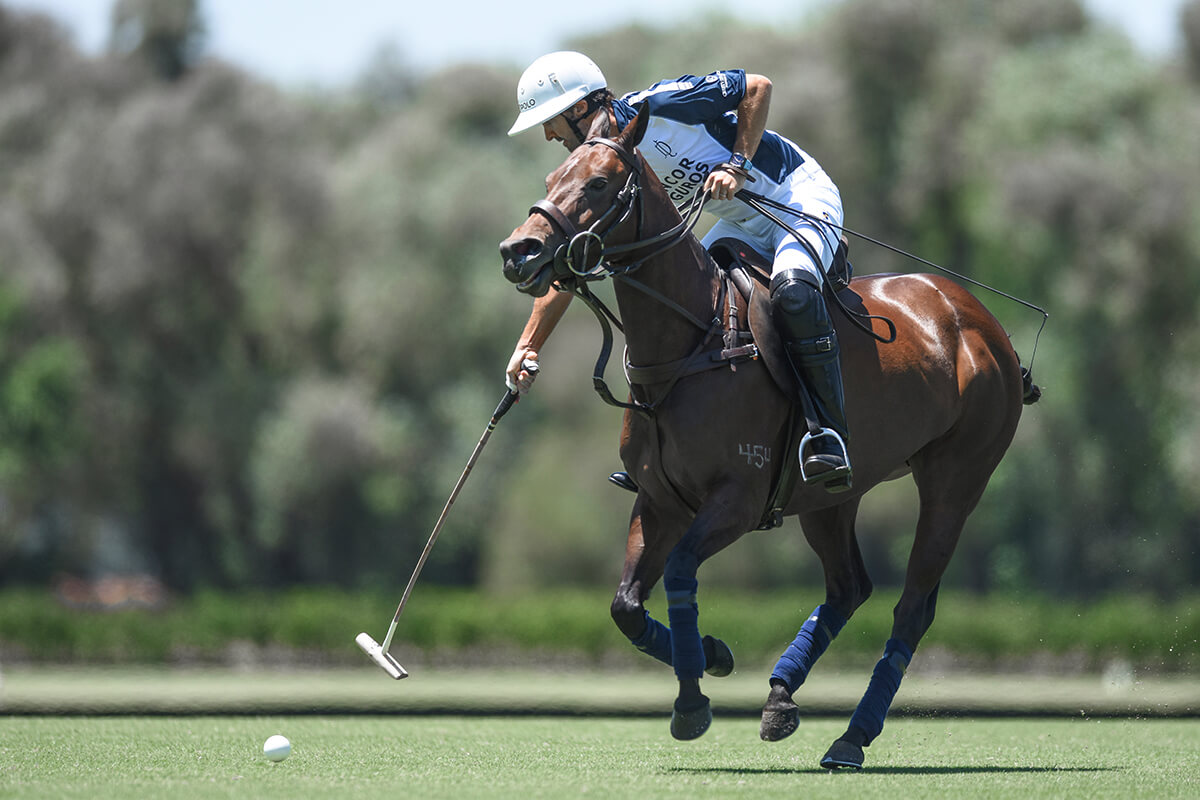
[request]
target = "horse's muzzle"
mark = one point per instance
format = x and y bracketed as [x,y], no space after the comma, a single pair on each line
[528,263]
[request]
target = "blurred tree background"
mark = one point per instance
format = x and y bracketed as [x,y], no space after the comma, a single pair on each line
[249,336]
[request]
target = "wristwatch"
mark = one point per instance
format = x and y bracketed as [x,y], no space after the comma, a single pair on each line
[740,161]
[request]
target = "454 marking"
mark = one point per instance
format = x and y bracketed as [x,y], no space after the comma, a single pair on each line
[756,455]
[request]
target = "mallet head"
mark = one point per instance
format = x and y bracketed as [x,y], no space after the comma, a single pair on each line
[384,659]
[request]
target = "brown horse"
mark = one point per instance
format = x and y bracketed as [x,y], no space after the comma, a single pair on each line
[941,402]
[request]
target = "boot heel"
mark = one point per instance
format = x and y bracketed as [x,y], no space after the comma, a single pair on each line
[840,484]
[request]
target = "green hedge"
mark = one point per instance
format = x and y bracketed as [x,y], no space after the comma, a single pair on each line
[321,624]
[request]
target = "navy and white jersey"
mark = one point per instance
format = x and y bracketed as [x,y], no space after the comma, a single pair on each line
[692,129]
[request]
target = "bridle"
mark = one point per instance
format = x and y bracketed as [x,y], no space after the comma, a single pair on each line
[586,254]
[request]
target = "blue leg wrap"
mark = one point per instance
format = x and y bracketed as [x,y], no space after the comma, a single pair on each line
[885,681]
[816,634]
[679,579]
[655,641]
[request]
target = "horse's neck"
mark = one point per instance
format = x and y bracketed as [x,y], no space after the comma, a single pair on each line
[655,333]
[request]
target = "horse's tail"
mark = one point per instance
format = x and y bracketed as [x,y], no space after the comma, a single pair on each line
[1031,391]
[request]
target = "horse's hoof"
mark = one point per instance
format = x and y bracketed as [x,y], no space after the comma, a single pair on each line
[843,754]
[780,716]
[718,657]
[691,723]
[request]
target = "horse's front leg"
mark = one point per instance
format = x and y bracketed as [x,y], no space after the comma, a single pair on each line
[644,559]
[645,554]
[715,526]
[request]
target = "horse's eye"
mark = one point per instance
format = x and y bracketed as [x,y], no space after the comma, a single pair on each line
[597,184]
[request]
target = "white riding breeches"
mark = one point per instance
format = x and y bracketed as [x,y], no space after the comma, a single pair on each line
[808,189]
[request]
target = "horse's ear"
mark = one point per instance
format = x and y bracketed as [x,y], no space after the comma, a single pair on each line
[600,128]
[631,137]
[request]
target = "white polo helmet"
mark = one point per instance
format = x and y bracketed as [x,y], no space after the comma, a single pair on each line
[552,84]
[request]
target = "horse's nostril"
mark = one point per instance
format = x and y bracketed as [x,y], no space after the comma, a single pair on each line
[520,249]
[512,249]
[528,248]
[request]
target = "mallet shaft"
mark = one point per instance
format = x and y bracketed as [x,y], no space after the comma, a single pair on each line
[506,403]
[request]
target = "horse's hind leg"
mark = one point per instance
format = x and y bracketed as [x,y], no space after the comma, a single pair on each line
[830,532]
[949,490]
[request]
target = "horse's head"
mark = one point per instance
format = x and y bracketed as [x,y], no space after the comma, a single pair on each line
[589,201]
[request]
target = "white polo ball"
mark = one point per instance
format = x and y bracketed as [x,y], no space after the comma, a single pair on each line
[277,748]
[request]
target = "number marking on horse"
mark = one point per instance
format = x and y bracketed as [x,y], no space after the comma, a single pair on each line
[757,455]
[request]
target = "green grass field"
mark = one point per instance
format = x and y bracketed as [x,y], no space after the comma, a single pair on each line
[495,733]
[535,757]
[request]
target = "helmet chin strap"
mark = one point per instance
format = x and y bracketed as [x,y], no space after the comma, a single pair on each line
[573,123]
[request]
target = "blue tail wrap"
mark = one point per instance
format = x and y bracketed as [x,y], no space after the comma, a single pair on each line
[885,681]
[817,632]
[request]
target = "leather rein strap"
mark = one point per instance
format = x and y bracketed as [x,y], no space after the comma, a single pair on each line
[595,265]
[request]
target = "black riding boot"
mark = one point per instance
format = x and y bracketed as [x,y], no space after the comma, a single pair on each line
[803,320]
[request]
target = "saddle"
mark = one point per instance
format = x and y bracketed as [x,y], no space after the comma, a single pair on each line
[750,272]
[750,334]
[733,252]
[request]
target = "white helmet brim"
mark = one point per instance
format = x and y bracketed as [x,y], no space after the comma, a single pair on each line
[551,85]
[538,114]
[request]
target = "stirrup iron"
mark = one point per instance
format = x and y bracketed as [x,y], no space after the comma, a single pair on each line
[838,476]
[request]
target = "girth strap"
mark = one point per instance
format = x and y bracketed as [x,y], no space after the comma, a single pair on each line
[781,493]
[693,365]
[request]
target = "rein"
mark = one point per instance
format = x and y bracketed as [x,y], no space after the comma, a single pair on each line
[759,204]
[679,369]
[588,257]
[586,254]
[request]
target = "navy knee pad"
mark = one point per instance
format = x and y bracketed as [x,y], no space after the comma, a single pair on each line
[799,308]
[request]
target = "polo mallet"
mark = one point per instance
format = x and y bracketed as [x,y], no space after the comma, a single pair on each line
[379,652]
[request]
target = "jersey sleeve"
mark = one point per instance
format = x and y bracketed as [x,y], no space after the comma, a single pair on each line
[694,100]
